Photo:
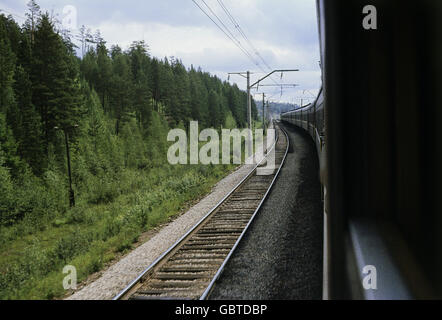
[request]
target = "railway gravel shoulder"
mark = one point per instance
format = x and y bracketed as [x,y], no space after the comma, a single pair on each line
[280,257]
[189,269]
[121,273]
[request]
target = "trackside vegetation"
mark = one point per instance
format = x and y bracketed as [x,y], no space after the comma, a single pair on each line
[113,108]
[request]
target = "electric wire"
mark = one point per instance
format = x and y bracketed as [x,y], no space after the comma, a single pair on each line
[241,31]
[226,34]
[222,26]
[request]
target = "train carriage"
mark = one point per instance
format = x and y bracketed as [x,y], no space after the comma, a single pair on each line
[311,119]
[379,109]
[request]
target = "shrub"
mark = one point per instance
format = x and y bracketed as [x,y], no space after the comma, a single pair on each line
[72,244]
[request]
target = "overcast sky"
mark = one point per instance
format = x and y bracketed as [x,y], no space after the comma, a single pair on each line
[283,31]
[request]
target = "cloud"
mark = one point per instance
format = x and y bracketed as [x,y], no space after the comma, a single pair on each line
[284,32]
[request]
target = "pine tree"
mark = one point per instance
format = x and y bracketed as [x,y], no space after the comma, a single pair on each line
[6,192]
[180,104]
[166,84]
[215,110]
[24,54]
[55,82]
[27,132]
[141,92]
[33,19]
[139,60]
[8,146]
[7,66]
[89,68]
[104,73]
[198,99]
[120,92]
[235,103]
[155,85]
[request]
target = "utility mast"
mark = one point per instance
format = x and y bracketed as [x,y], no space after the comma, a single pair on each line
[263,113]
[249,103]
[249,107]
[249,98]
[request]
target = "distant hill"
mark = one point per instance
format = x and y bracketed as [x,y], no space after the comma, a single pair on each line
[276,108]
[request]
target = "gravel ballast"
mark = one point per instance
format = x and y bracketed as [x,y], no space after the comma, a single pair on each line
[280,256]
[122,273]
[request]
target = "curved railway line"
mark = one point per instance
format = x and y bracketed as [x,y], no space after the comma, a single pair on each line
[190,268]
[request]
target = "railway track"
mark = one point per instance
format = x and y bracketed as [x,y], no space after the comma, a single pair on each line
[190,268]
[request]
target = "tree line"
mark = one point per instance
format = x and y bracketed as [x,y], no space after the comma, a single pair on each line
[47,89]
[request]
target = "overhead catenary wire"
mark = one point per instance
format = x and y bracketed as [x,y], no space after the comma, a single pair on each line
[241,31]
[12,14]
[228,30]
[236,42]
[238,27]
[210,13]
[230,35]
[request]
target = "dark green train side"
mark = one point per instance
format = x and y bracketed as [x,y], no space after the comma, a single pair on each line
[377,126]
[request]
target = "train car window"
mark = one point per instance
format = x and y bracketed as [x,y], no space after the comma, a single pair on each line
[383,98]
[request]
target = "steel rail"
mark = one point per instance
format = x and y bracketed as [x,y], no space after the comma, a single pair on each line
[221,269]
[197,225]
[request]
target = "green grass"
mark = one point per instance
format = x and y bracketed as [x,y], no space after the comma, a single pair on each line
[90,235]
[124,187]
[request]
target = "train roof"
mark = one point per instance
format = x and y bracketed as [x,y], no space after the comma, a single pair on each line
[307,106]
